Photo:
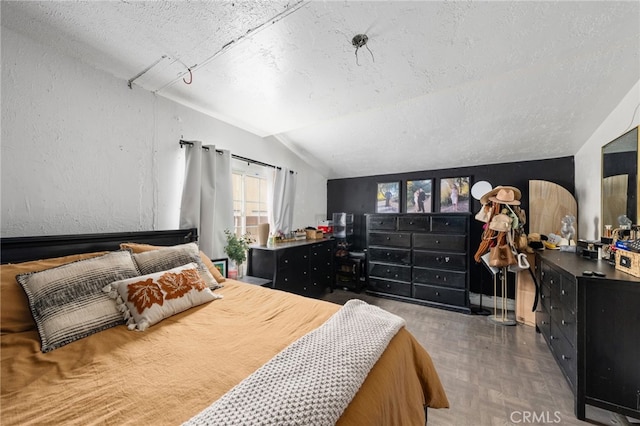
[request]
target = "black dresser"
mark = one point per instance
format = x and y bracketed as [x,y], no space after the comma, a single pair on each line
[420,258]
[592,327]
[302,267]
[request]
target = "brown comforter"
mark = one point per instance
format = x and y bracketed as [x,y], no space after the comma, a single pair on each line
[178,367]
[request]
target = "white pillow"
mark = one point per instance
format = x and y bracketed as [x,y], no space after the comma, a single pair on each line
[148,299]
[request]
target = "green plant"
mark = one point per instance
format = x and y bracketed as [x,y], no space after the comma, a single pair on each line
[237,246]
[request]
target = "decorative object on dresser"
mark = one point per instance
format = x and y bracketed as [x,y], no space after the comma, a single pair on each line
[420,258]
[304,267]
[592,326]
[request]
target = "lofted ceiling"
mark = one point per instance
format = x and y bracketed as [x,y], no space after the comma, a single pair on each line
[442,84]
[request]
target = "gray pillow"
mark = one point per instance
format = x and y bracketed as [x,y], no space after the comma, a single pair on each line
[67,302]
[152,261]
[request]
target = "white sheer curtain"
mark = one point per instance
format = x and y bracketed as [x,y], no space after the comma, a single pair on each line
[282,190]
[207,198]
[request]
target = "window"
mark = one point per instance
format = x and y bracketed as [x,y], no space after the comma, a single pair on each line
[249,201]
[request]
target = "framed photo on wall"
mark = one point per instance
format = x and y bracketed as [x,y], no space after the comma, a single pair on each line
[222,265]
[454,194]
[419,196]
[388,197]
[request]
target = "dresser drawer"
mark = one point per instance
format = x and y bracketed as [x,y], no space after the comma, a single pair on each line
[293,258]
[550,276]
[566,323]
[443,295]
[564,353]
[390,287]
[440,277]
[390,255]
[392,272]
[440,242]
[449,224]
[543,322]
[388,239]
[382,222]
[414,223]
[429,259]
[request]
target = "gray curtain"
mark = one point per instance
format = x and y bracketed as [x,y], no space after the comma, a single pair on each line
[281,200]
[207,198]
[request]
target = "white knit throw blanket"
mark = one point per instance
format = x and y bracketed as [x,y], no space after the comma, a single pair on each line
[311,381]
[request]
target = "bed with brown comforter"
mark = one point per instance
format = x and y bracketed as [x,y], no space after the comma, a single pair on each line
[176,368]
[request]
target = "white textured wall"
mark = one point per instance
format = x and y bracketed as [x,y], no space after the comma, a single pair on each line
[81,152]
[589,164]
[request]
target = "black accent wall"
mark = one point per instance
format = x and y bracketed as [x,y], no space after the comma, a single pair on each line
[358,195]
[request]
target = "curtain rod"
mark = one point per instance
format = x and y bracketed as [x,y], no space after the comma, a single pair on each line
[237,157]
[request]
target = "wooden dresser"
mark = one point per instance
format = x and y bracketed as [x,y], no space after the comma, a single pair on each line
[302,267]
[592,327]
[420,258]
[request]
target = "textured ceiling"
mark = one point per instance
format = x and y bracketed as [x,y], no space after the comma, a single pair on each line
[446,84]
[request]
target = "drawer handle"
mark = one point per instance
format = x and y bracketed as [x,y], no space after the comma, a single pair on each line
[563,322]
[542,296]
[544,322]
[388,238]
[552,337]
[388,286]
[437,241]
[388,271]
[446,224]
[551,281]
[286,261]
[564,293]
[437,293]
[437,277]
[553,307]
[411,223]
[566,358]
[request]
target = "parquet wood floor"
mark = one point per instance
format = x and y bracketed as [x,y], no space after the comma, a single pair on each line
[493,374]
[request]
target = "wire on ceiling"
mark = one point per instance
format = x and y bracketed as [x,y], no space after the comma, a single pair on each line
[288,11]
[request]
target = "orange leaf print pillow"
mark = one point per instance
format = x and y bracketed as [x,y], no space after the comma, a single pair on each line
[148,299]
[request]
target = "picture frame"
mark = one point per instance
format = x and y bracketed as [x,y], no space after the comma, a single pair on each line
[455,194]
[388,197]
[222,265]
[419,196]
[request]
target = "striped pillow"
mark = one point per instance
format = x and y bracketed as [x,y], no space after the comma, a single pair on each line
[67,302]
[163,259]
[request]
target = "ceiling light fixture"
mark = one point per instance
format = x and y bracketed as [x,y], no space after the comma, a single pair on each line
[358,41]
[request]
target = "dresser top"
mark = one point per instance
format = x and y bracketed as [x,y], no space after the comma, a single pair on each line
[280,246]
[575,265]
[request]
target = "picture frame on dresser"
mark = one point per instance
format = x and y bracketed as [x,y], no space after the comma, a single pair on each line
[222,265]
[388,197]
[419,196]
[455,194]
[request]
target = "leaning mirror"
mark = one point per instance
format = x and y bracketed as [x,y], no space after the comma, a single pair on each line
[620,179]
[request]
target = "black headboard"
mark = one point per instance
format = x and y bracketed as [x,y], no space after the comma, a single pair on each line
[22,249]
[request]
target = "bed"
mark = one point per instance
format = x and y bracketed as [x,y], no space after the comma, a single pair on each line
[176,368]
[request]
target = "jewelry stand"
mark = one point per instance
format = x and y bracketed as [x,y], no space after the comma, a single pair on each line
[500,273]
[503,318]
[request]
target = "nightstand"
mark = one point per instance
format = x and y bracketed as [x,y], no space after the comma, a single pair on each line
[262,282]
